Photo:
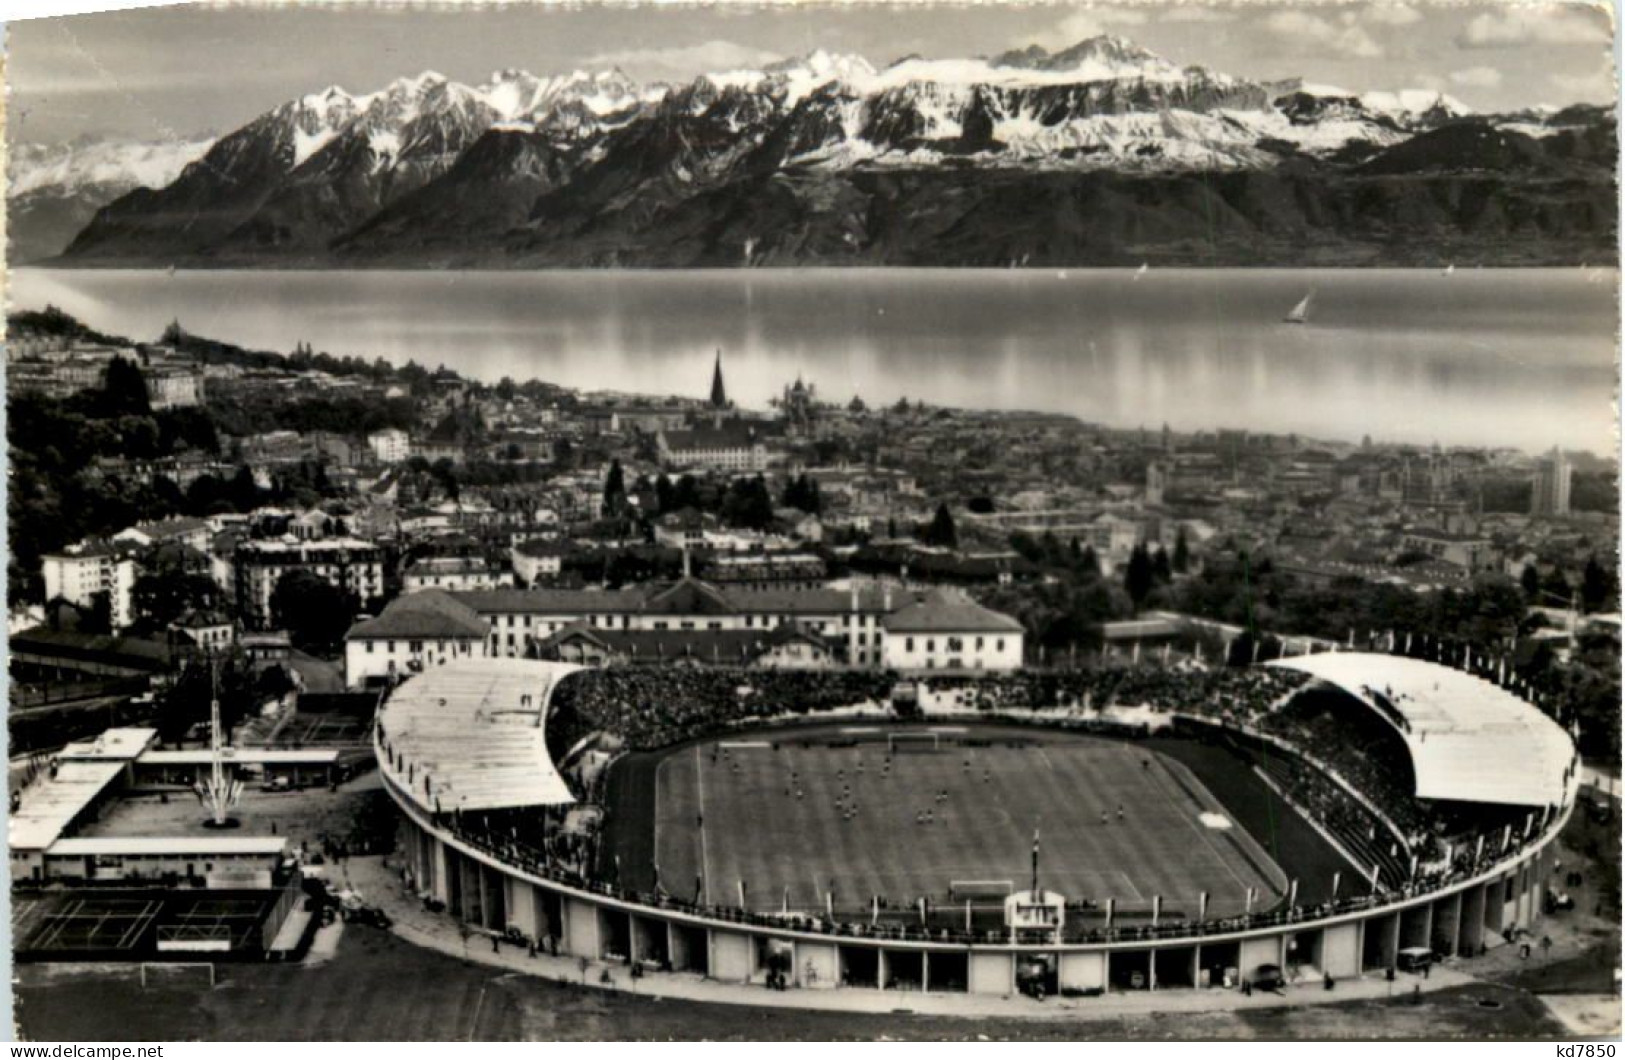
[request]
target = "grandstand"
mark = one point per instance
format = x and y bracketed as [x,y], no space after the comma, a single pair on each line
[470,735]
[1470,740]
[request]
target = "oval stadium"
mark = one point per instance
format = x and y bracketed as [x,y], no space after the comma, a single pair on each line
[1321,817]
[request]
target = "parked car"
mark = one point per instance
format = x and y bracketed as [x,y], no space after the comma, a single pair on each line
[1415,959]
[1268,977]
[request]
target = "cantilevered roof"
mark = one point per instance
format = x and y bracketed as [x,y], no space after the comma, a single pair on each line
[1470,740]
[471,735]
[53,802]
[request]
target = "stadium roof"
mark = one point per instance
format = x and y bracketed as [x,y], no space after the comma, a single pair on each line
[52,803]
[1470,740]
[471,735]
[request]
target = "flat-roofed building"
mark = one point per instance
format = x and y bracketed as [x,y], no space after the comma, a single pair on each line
[79,573]
[349,564]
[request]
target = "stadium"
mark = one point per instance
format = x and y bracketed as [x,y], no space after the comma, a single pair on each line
[1050,832]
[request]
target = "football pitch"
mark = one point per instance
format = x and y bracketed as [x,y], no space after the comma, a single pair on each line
[798,818]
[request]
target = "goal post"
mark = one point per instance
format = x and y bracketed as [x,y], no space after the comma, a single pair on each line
[913,741]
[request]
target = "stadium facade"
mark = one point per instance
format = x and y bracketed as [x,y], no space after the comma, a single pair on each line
[468,737]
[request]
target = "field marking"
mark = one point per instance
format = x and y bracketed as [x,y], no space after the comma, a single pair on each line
[474,1024]
[699,786]
[1201,832]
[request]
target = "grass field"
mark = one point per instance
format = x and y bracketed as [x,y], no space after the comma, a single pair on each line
[803,818]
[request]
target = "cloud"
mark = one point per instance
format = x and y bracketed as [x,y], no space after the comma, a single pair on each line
[1476,77]
[1590,87]
[1085,23]
[1313,33]
[680,64]
[1193,13]
[1551,24]
[1392,15]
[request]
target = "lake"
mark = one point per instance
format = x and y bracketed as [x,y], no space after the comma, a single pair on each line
[1484,357]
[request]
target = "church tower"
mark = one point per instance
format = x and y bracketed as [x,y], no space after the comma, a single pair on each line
[719,393]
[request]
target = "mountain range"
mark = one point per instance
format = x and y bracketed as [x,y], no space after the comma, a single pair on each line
[1102,153]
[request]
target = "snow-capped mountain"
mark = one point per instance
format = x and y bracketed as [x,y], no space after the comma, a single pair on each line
[56,188]
[815,158]
[86,162]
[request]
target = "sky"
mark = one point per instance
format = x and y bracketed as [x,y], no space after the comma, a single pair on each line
[178,72]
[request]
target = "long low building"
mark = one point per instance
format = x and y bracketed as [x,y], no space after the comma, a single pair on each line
[871,626]
[234,861]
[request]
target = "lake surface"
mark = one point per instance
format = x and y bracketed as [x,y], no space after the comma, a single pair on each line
[1495,357]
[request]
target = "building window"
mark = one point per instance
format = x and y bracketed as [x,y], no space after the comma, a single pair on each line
[931,645]
[999,644]
[369,647]
[908,645]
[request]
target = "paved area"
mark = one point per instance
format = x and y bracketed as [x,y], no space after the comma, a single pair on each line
[1586,1015]
[380,884]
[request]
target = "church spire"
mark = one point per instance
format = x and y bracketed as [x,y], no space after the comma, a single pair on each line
[719,394]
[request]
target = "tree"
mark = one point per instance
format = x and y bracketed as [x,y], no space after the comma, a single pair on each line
[99,619]
[747,505]
[1139,576]
[1556,588]
[159,597]
[615,490]
[1596,586]
[802,493]
[124,389]
[1530,581]
[315,613]
[1182,553]
[940,531]
[1161,570]
[186,703]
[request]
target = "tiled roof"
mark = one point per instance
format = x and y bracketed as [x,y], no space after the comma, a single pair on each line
[941,612]
[428,615]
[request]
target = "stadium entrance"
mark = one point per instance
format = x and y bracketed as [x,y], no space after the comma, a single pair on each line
[1037,975]
[1220,965]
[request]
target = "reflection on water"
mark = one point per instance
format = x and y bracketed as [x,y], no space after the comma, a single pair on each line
[1500,357]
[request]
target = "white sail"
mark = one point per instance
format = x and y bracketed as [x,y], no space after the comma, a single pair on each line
[1300,312]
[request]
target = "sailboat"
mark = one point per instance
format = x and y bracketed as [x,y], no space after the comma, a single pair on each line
[1300,312]
[1450,270]
[1144,268]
